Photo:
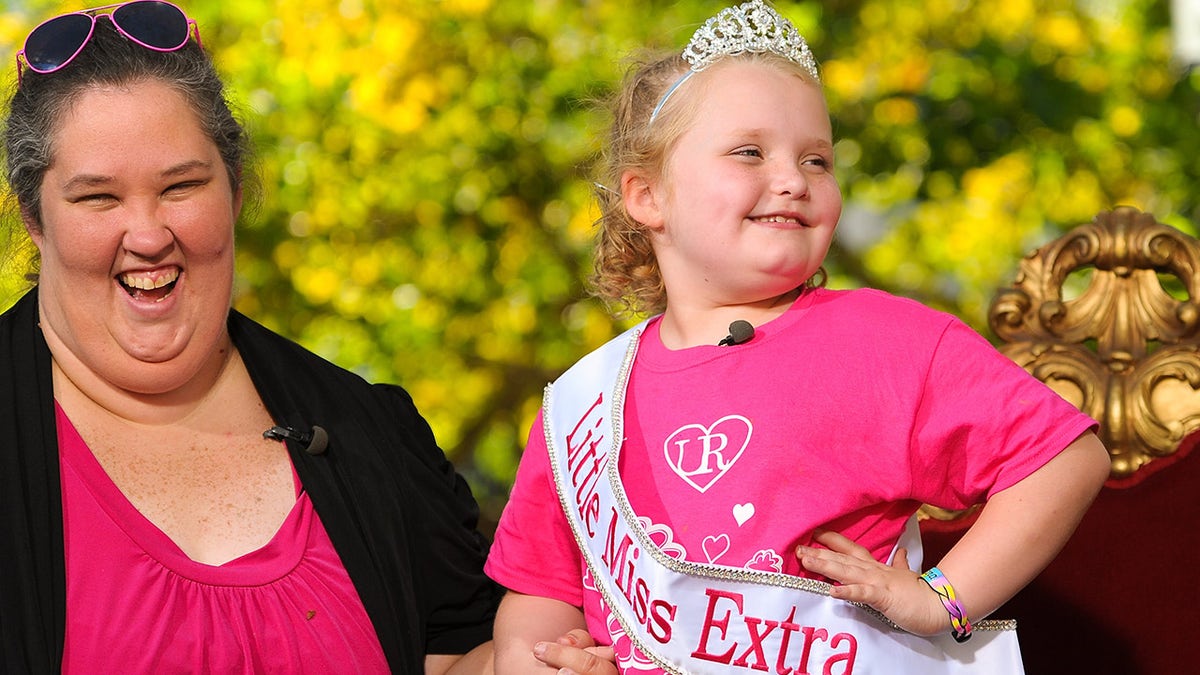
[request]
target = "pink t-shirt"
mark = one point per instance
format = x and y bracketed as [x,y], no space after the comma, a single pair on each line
[137,604]
[846,413]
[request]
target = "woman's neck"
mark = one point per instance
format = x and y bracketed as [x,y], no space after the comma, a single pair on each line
[77,386]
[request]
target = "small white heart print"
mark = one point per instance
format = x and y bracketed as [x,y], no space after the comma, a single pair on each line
[742,513]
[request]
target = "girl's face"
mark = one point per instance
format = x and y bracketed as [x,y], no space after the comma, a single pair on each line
[136,239]
[747,204]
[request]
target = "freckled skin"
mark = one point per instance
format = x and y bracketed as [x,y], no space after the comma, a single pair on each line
[210,482]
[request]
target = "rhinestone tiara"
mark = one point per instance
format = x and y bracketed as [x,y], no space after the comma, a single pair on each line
[749,27]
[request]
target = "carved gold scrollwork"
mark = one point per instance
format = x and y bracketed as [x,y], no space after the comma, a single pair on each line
[1125,350]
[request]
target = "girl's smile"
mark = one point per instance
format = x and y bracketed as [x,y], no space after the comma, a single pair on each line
[745,210]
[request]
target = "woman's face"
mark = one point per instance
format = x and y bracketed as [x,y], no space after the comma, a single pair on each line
[136,239]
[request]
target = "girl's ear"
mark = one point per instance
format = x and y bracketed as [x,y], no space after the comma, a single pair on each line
[641,202]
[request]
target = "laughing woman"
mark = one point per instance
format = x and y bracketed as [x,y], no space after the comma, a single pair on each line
[147,522]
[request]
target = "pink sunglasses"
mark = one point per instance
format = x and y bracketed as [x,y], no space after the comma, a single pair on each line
[153,24]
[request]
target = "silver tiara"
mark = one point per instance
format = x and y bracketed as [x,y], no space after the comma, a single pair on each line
[750,27]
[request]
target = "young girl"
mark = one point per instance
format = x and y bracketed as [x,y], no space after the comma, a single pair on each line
[690,489]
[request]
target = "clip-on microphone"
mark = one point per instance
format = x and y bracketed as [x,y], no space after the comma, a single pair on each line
[740,331]
[314,442]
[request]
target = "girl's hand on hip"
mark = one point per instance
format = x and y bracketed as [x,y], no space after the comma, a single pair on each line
[894,590]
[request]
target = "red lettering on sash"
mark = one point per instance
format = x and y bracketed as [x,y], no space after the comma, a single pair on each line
[573,447]
[662,613]
[811,634]
[711,622]
[614,555]
[641,601]
[591,514]
[756,643]
[582,456]
[849,657]
[588,413]
[630,578]
[590,463]
[656,615]
[789,626]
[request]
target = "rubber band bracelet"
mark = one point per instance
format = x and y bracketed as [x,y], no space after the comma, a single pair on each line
[958,615]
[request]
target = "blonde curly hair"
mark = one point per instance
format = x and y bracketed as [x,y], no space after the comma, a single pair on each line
[625,272]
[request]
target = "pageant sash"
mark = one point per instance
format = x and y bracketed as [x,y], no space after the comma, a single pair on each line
[703,619]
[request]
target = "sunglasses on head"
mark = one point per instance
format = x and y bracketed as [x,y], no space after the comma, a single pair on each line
[153,24]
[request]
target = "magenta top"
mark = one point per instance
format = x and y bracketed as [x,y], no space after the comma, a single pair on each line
[137,603]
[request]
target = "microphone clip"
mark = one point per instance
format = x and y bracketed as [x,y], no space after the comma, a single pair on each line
[314,442]
[740,331]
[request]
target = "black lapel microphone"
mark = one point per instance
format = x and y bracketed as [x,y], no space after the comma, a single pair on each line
[314,442]
[740,331]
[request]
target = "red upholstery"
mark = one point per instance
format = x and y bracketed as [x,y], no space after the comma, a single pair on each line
[1123,597]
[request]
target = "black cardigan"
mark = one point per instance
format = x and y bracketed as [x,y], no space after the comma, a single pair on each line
[401,519]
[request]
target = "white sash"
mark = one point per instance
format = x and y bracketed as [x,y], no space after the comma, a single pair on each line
[705,619]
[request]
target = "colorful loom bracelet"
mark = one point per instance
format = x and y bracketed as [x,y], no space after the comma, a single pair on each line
[958,615]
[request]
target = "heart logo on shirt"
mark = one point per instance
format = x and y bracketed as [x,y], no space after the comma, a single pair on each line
[700,455]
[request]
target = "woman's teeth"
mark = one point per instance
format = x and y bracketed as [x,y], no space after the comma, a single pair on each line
[156,287]
[147,284]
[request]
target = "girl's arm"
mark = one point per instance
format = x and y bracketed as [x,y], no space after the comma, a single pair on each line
[529,638]
[478,661]
[1018,532]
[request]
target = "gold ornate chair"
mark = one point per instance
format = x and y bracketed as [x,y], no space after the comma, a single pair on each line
[1108,315]
[1126,350]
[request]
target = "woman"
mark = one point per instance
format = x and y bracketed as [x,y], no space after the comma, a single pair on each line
[181,489]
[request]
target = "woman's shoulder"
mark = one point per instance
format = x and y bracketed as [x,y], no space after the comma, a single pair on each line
[283,368]
[258,343]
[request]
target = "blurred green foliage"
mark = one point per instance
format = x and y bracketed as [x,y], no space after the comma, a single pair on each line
[425,213]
